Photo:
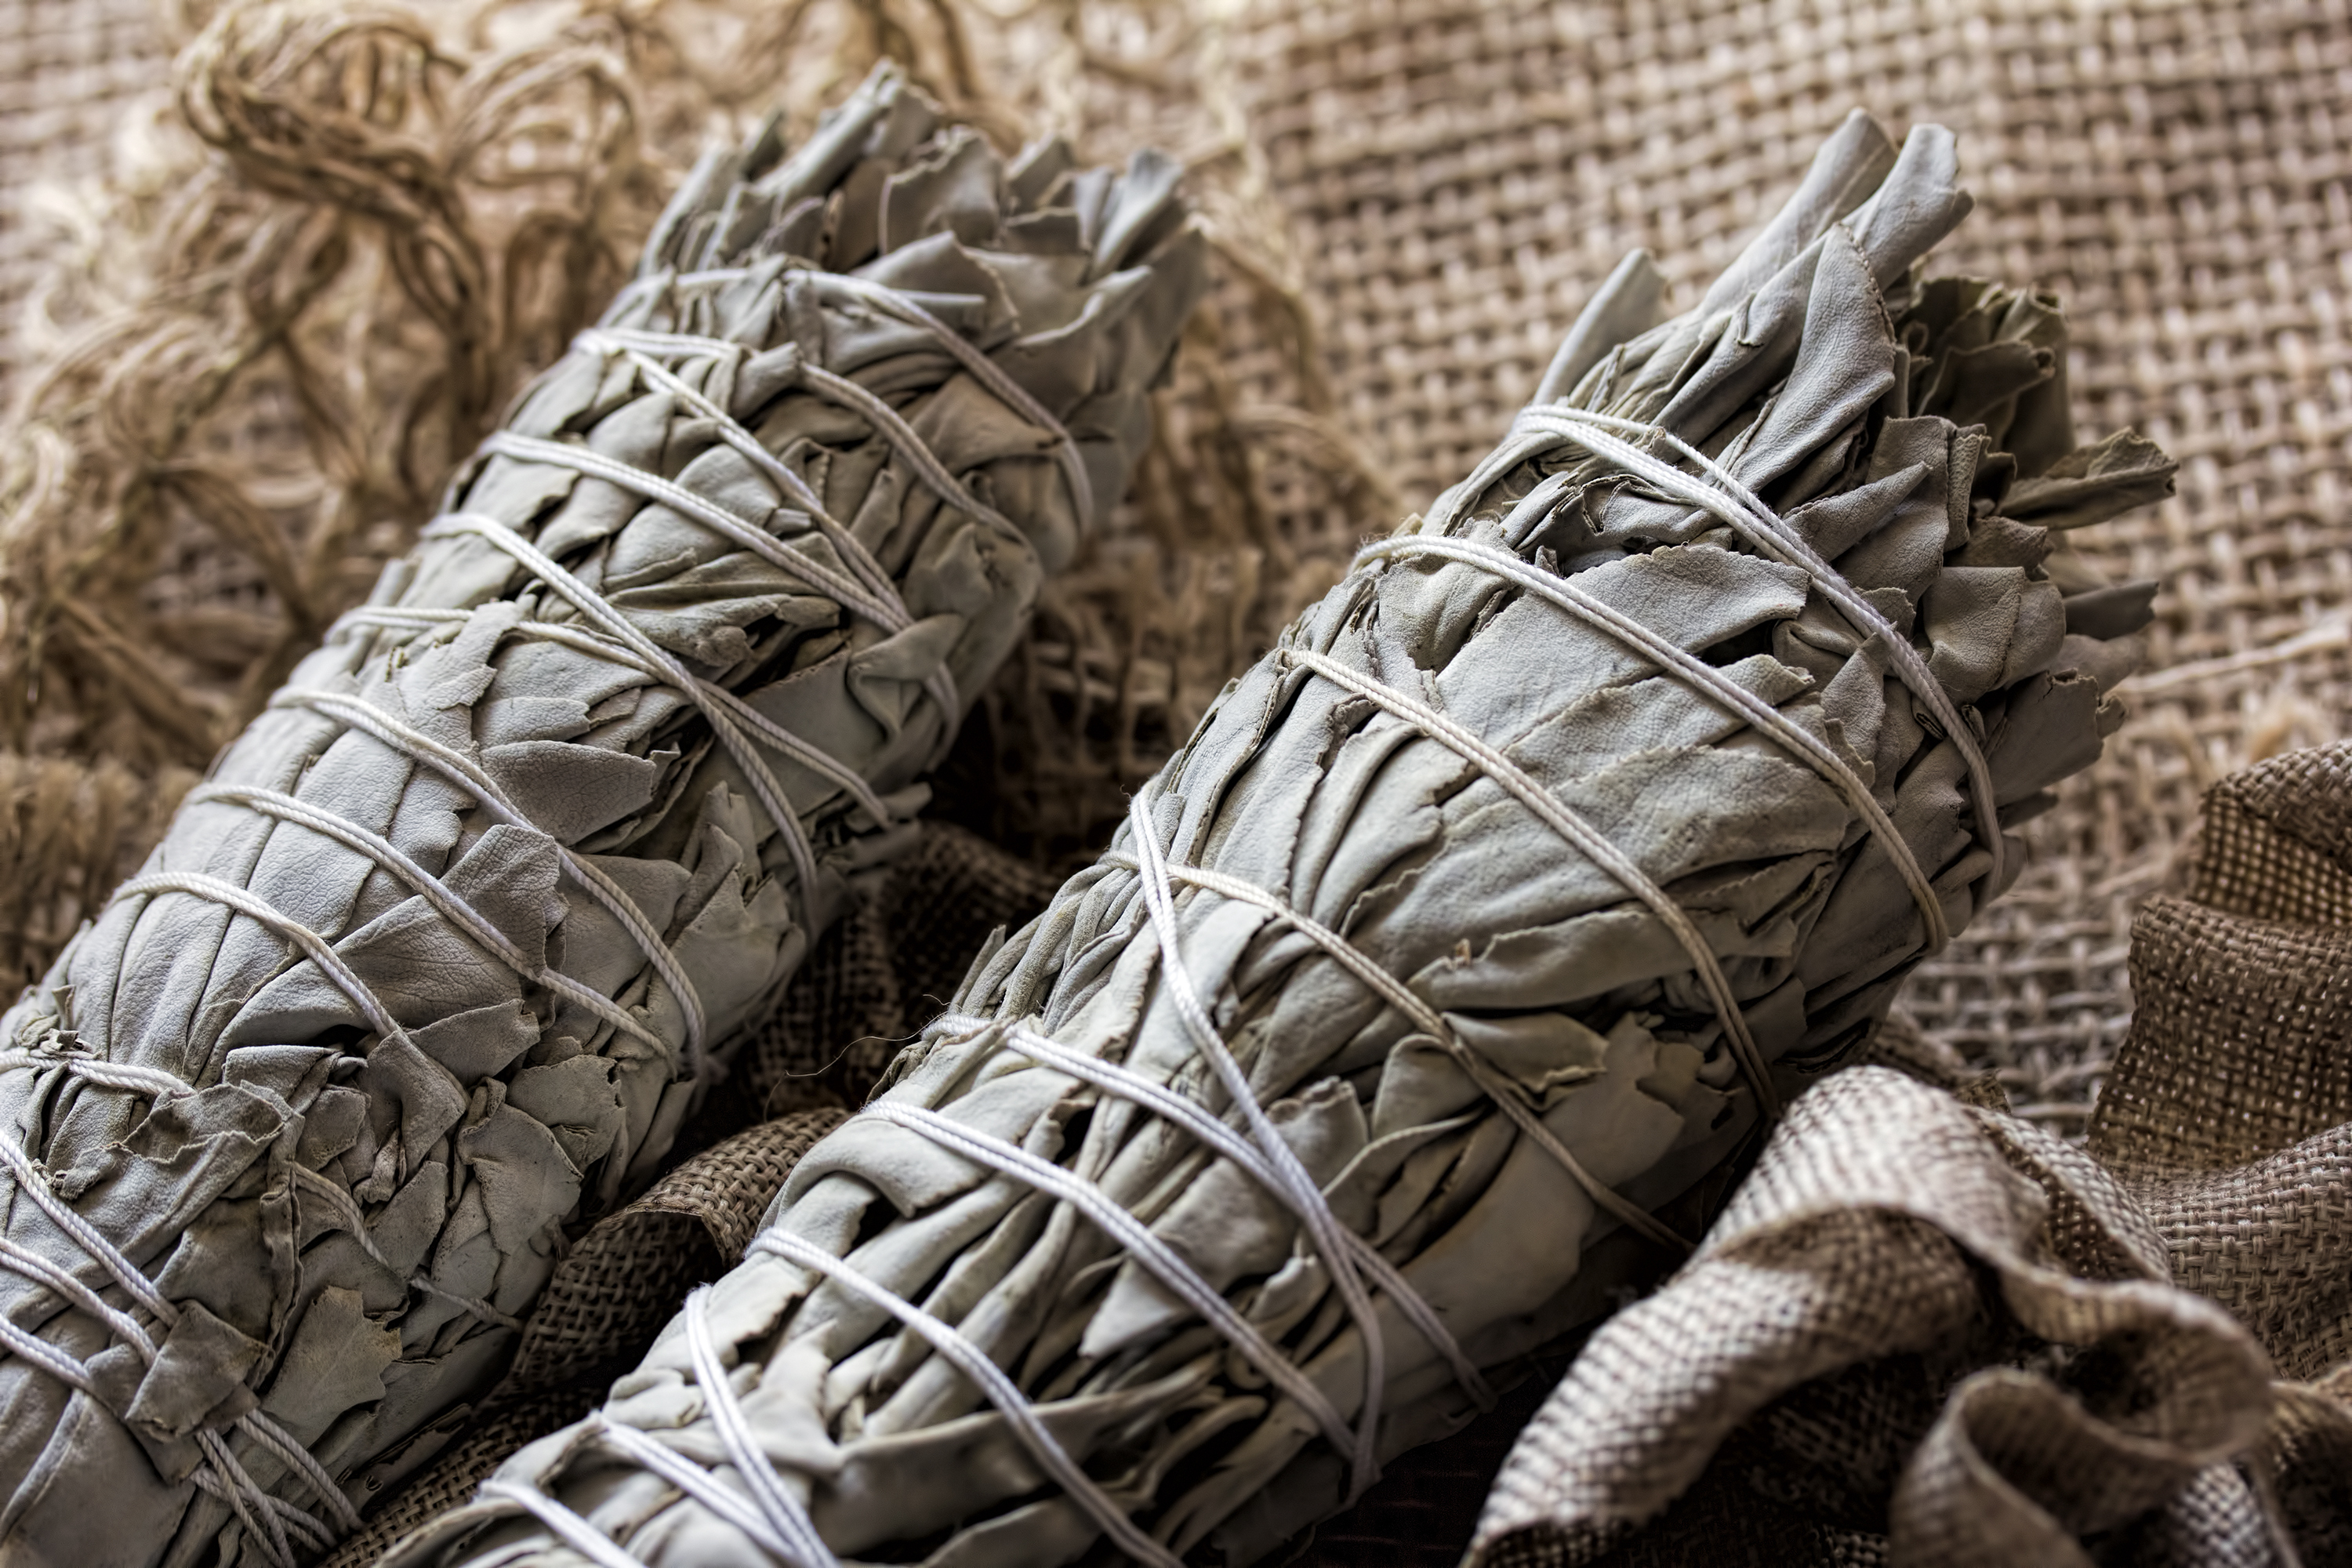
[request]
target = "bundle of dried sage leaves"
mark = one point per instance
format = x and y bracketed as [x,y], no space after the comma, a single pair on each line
[1434,990]
[432,965]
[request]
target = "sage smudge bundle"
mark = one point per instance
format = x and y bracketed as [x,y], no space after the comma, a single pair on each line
[433,963]
[1429,994]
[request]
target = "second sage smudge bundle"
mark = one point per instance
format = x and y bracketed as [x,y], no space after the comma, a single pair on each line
[1430,990]
[433,964]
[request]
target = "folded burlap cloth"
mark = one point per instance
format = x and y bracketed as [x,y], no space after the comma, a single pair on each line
[1926,1332]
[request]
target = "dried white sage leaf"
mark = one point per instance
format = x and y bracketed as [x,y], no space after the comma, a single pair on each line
[429,971]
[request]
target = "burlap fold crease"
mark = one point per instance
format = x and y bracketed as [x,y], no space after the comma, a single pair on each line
[1925,1328]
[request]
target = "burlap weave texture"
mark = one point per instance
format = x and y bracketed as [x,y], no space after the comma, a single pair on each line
[1458,178]
[1932,1329]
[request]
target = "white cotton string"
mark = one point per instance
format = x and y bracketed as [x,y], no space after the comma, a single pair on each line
[771,1516]
[197,885]
[1000,1390]
[1306,1194]
[983,369]
[1588,840]
[650,1454]
[113,1075]
[909,445]
[1430,1022]
[755,769]
[1173,1106]
[47,1356]
[720,706]
[347,1211]
[885,420]
[1156,1256]
[435,892]
[33,1265]
[693,506]
[279,1516]
[1707,678]
[242,1498]
[785,1514]
[236,1493]
[1738,506]
[466,772]
[637,347]
[598,646]
[280,1442]
[568,1527]
[34,1183]
[940,681]
[316,948]
[1766,529]
[239,1488]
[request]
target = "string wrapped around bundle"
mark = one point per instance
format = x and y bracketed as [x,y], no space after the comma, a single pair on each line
[429,970]
[1432,996]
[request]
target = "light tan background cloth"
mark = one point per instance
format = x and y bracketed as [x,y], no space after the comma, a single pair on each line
[1417,195]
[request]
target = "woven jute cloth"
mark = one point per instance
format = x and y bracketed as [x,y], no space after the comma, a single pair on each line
[71,74]
[1928,1331]
[1444,184]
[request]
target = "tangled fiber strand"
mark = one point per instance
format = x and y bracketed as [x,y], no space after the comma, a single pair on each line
[365,226]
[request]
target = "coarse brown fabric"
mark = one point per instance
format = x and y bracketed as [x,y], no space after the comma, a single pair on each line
[72,72]
[1929,1328]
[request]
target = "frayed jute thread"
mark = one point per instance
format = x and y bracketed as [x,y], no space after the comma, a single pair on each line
[364,227]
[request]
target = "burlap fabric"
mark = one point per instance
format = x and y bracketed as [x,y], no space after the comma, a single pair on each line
[1928,1331]
[69,72]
